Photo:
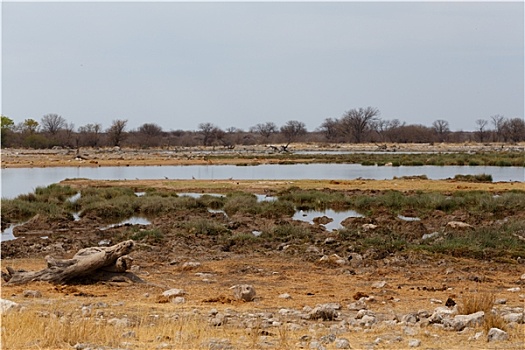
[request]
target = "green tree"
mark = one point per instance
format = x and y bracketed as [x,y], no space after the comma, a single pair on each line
[29,126]
[7,128]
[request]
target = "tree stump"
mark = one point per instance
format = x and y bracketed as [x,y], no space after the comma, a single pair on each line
[97,263]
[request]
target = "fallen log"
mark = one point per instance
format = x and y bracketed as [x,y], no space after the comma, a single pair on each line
[94,262]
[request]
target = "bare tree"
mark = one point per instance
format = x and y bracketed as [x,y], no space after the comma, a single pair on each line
[356,122]
[498,121]
[116,132]
[480,131]
[265,130]
[52,123]
[292,130]
[150,134]
[330,129]
[89,135]
[210,133]
[441,128]
[514,130]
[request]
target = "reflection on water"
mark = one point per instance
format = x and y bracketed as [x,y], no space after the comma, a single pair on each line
[336,216]
[16,181]
[135,220]
[7,234]
[408,218]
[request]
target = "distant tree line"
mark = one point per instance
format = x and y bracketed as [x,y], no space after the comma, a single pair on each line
[357,125]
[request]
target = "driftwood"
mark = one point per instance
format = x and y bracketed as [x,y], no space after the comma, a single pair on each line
[95,263]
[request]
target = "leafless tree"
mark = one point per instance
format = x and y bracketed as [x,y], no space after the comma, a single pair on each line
[52,123]
[265,130]
[210,133]
[89,135]
[150,134]
[116,132]
[292,130]
[441,128]
[480,130]
[498,121]
[514,130]
[330,129]
[356,122]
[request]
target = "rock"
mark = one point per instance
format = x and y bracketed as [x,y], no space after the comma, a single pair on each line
[355,259]
[327,339]
[514,317]
[325,312]
[379,284]
[496,334]
[522,277]
[333,259]
[6,305]
[178,300]
[513,290]
[410,318]
[32,294]
[322,220]
[190,265]
[342,343]
[358,305]
[369,227]
[330,240]
[450,302]
[441,313]
[368,320]
[173,293]
[244,292]
[414,343]
[502,301]
[459,225]
[436,301]
[118,322]
[461,321]
[285,296]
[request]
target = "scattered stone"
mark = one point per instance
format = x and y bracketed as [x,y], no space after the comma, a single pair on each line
[325,312]
[513,290]
[342,343]
[368,227]
[379,284]
[118,322]
[436,301]
[285,296]
[414,343]
[333,259]
[178,300]
[6,305]
[496,334]
[173,293]
[190,265]
[461,321]
[522,277]
[459,225]
[500,301]
[244,292]
[32,294]
[327,339]
[514,317]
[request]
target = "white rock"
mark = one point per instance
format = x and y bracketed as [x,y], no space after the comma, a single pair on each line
[172,293]
[244,292]
[496,334]
[285,296]
[514,317]
[461,321]
[414,343]
[458,224]
[178,300]
[190,265]
[522,277]
[515,289]
[6,305]
[379,284]
[342,343]
[367,227]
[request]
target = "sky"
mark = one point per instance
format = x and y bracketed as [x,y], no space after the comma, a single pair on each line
[238,64]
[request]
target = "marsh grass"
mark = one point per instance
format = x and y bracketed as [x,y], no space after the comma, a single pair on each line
[205,227]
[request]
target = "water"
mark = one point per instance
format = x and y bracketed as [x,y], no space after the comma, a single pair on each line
[337,216]
[16,181]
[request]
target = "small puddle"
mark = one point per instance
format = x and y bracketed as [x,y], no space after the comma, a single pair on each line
[7,234]
[134,220]
[74,198]
[336,216]
[408,218]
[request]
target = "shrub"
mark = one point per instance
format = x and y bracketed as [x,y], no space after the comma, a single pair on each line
[205,227]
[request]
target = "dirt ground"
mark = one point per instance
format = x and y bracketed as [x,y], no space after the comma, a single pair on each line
[412,282]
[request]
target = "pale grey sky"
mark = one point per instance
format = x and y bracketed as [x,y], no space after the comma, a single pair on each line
[242,63]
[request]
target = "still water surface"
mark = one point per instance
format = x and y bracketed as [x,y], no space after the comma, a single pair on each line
[17,181]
